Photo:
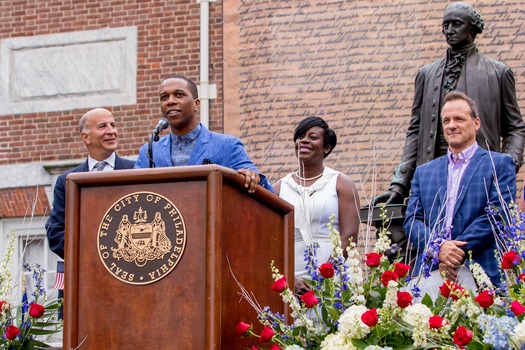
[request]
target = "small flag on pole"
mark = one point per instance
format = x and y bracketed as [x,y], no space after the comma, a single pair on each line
[59,280]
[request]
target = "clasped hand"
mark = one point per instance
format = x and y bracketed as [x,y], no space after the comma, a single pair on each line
[451,256]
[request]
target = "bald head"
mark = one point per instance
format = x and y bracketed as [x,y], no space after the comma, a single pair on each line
[89,115]
[99,133]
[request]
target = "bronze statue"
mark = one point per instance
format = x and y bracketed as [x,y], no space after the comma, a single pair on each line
[488,82]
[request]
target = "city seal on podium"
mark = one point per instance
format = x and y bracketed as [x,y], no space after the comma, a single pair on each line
[141,238]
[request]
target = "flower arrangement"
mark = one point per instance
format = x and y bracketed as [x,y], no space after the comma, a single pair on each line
[367,303]
[29,324]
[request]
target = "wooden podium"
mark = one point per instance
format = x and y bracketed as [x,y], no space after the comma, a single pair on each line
[130,285]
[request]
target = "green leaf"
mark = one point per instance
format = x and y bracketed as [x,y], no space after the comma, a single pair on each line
[358,343]
[427,301]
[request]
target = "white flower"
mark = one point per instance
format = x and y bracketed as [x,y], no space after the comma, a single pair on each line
[303,322]
[377,347]
[355,274]
[359,299]
[519,334]
[417,313]
[417,316]
[335,238]
[5,271]
[350,324]
[462,307]
[391,295]
[336,342]
[293,347]
[481,277]
[382,244]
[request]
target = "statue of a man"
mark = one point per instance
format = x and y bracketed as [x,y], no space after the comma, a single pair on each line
[488,82]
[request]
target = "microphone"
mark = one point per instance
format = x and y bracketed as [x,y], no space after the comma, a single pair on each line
[161,125]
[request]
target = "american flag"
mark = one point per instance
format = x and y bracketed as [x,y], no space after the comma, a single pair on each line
[59,281]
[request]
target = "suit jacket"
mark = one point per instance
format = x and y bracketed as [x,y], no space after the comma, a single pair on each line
[55,225]
[210,148]
[479,185]
[490,84]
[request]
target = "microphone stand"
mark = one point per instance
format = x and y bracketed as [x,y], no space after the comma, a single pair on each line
[150,151]
[153,137]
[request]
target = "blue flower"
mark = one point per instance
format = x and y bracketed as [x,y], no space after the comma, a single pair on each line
[416,292]
[497,330]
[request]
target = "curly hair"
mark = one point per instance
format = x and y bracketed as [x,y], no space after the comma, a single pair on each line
[476,22]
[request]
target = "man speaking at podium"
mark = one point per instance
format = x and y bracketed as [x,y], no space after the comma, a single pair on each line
[190,142]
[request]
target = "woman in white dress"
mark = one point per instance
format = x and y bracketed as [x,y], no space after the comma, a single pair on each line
[317,192]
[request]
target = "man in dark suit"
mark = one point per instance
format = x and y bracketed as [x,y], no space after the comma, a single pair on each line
[99,133]
[190,142]
[446,208]
[488,82]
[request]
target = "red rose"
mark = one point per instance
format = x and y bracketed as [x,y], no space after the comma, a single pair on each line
[458,292]
[4,306]
[445,290]
[401,269]
[254,348]
[266,334]
[11,332]
[388,276]
[309,299]
[484,299]
[326,270]
[522,277]
[280,285]
[36,310]
[436,322]
[509,260]
[462,336]
[404,299]
[275,347]
[242,328]
[373,259]
[453,290]
[369,317]
[517,308]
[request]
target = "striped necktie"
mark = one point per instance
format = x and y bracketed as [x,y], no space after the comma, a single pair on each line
[100,166]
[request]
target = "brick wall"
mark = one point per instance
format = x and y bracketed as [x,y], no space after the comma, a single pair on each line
[23,202]
[168,42]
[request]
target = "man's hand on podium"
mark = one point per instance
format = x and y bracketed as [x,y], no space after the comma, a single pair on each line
[251,179]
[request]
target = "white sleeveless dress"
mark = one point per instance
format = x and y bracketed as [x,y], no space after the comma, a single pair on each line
[313,207]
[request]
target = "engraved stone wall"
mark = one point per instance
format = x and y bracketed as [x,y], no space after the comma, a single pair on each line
[65,71]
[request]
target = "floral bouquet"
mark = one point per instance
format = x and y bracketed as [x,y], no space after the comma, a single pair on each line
[30,324]
[366,304]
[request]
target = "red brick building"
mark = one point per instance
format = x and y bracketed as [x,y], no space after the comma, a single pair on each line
[168,41]
[43,45]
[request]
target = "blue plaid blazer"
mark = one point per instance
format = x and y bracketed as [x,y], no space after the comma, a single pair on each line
[489,177]
[210,148]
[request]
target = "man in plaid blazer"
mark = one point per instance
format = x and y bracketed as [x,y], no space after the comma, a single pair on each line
[446,208]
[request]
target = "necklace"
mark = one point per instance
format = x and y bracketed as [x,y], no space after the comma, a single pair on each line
[307,179]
